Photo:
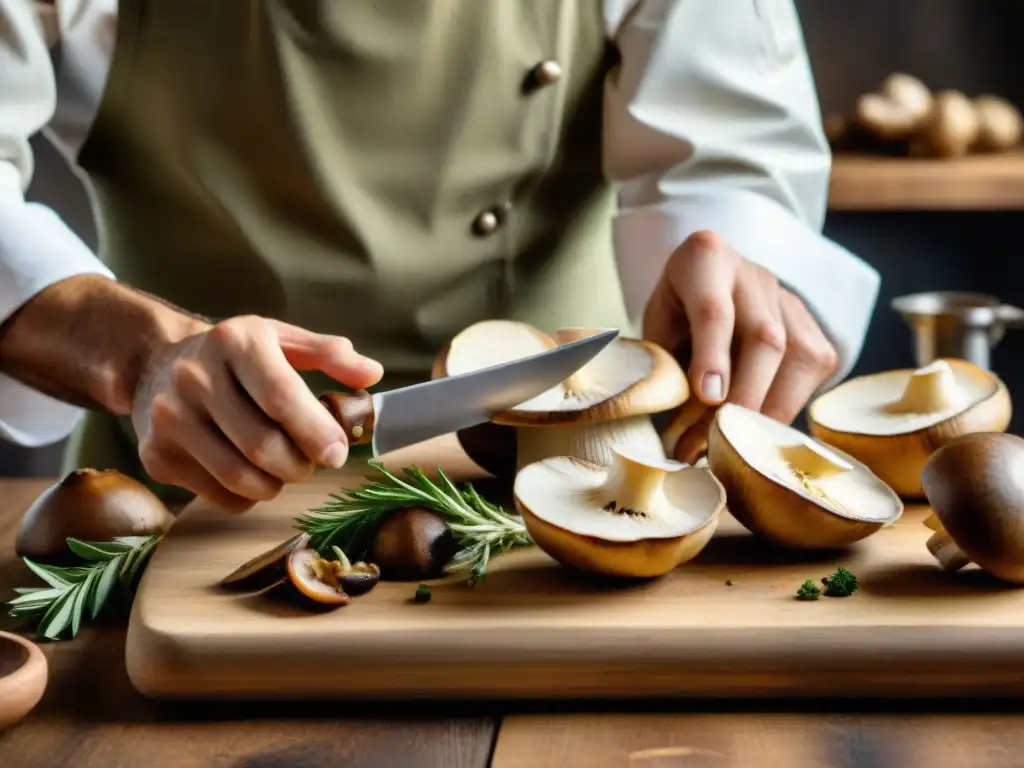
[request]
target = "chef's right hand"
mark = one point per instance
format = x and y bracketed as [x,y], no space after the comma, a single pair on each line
[224,414]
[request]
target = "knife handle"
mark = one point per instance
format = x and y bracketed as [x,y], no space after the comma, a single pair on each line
[354,411]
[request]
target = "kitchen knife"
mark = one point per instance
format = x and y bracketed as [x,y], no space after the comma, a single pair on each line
[401,417]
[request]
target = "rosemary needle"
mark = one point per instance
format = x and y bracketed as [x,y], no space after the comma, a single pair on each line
[351,518]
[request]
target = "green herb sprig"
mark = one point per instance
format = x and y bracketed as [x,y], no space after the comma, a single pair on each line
[351,519]
[808,591]
[75,594]
[842,583]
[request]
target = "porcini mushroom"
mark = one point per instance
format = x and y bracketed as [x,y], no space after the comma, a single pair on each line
[607,402]
[894,421]
[951,127]
[413,543]
[790,488]
[90,505]
[1000,126]
[639,518]
[975,486]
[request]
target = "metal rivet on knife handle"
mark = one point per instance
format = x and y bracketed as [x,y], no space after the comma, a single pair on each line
[354,412]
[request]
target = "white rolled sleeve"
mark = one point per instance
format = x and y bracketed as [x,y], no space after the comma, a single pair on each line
[37,249]
[712,123]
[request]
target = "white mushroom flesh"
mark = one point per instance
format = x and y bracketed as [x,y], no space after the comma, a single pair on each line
[612,371]
[898,402]
[637,498]
[806,466]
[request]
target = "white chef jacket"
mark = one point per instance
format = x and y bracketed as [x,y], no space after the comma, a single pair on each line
[712,123]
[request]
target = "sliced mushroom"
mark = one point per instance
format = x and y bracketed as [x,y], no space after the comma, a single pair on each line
[90,505]
[975,486]
[267,569]
[329,582]
[894,421]
[640,518]
[789,488]
[607,402]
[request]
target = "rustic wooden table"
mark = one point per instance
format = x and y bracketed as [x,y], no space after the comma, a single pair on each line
[91,717]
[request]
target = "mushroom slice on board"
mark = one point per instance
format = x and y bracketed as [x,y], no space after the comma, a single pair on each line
[792,489]
[640,518]
[975,486]
[894,421]
[607,402]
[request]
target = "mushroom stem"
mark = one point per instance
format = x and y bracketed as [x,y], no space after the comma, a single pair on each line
[635,483]
[593,442]
[933,522]
[930,390]
[946,551]
[813,461]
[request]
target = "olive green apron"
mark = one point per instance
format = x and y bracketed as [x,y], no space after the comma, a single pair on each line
[387,170]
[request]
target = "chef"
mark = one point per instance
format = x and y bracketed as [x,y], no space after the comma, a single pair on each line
[293,195]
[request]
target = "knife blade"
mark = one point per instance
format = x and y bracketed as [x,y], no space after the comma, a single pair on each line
[400,417]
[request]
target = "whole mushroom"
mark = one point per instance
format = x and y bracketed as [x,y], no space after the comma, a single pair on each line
[90,505]
[893,421]
[413,543]
[608,402]
[975,486]
[897,110]
[951,128]
[1000,125]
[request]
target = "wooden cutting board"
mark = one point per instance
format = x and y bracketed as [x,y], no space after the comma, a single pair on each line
[536,630]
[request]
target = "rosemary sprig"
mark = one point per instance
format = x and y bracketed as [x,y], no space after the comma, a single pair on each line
[350,520]
[77,593]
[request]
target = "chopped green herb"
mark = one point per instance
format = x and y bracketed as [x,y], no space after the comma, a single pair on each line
[422,594]
[842,583]
[808,591]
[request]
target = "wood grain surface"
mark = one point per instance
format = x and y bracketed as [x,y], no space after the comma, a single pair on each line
[762,740]
[978,182]
[91,716]
[537,630]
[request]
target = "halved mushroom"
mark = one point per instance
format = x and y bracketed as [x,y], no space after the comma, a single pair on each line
[640,518]
[976,491]
[266,569]
[330,582]
[790,488]
[894,421]
[607,402]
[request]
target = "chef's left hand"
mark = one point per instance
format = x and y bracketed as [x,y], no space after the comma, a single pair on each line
[751,341]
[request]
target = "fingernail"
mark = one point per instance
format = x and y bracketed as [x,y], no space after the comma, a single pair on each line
[335,456]
[711,387]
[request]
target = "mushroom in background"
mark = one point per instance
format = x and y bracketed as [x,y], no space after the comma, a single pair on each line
[791,489]
[893,421]
[608,402]
[640,518]
[1000,125]
[975,486]
[951,128]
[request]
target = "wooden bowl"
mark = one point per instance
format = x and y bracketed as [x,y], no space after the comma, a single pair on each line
[23,674]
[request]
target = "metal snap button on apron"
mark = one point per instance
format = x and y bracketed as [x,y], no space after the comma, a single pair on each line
[546,73]
[487,223]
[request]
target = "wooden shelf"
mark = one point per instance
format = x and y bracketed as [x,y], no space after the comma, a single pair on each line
[977,183]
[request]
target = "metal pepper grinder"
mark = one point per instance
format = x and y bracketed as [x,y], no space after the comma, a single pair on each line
[956,324]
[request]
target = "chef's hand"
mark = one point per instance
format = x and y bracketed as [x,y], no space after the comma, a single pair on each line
[224,414]
[751,341]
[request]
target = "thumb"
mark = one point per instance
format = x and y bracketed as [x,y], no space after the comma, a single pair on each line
[333,355]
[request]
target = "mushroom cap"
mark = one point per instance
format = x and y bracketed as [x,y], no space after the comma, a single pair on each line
[413,543]
[975,486]
[90,505]
[565,504]
[306,583]
[858,417]
[629,377]
[753,456]
[267,568]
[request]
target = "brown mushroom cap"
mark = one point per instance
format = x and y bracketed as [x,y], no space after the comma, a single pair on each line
[640,518]
[413,543]
[975,486]
[90,505]
[629,377]
[265,569]
[787,487]
[894,421]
